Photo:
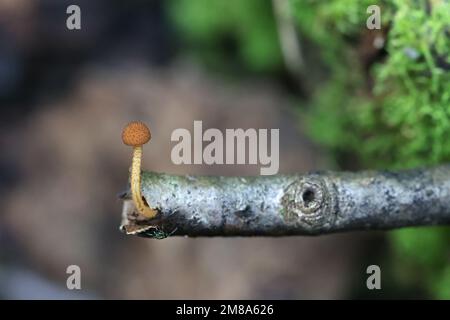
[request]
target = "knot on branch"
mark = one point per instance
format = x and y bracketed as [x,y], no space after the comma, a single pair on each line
[311,202]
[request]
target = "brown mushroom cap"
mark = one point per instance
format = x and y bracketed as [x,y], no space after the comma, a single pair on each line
[136,134]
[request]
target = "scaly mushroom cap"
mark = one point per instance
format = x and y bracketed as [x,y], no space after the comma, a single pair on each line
[136,134]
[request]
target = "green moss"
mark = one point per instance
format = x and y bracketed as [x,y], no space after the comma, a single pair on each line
[441,284]
[426,250]
[405,120]
[227,30]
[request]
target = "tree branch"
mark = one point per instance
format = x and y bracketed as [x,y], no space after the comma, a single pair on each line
[310,204]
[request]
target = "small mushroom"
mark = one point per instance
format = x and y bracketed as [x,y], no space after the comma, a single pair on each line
[136,134]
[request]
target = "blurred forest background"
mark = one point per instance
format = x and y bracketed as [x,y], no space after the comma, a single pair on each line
[343,96]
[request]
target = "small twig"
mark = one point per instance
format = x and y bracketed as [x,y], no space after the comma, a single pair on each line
[289,42]
[311,204]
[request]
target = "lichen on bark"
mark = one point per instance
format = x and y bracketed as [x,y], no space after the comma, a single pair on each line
[280,205]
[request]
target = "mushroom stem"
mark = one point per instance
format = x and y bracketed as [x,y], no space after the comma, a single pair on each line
[135,182]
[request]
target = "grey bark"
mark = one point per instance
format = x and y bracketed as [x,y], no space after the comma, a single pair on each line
[281,205]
